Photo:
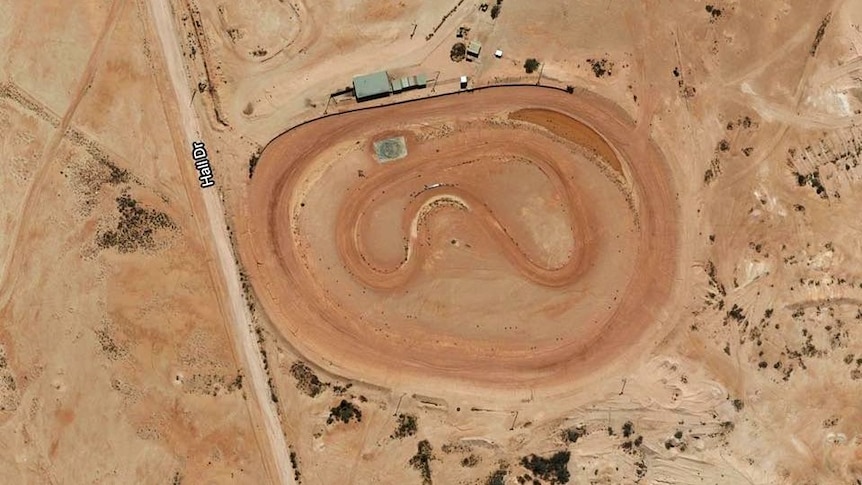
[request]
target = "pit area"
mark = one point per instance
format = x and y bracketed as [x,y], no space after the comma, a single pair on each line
[528,239]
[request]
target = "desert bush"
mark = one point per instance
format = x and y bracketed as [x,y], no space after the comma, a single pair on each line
[572,435]
[458,52]
[306,380]
[344,412]
[530,65]
[422,460]
[554,469]
[407,426]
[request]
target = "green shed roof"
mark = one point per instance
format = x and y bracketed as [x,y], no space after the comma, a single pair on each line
[372,85]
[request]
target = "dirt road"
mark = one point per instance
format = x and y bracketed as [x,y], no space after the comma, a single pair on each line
[236,313]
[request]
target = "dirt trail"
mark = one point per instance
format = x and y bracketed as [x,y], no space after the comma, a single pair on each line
[300,306]
[50,150]
[239,320]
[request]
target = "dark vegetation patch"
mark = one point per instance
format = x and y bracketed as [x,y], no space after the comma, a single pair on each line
[307,381]
[821,31]
[344,412]
[109,347]
[458,52]
[601,67]
[495,10]
[422,461]
[573,434]
[498,477]
[714,13]
[470,461]
[136,227]
[716,293]
[813,180]
[531,65]
[294,462]
[553,469]
[94,172]
[407,426]
[628,429]
[252,161]
[713,171]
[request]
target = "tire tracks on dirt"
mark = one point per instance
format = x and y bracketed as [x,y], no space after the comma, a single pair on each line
[50,150]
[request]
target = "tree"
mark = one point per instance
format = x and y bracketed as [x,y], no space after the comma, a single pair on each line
[553,469]
[407,425]
[495,11]
[422,461]
[531,65]
[458,52]
[344,412]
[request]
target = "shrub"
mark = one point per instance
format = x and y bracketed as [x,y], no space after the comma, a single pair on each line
[554,469]
[470,461]
[530,65]
[572,435]
[344,412]
[422,461]
[458,52]
[306,380]
[407,425]
[497,478]
[628,429]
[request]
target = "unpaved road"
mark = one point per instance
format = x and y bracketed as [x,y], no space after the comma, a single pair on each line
[240,327]
[312,311]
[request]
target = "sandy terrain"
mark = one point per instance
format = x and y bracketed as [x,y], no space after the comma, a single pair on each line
[654,278]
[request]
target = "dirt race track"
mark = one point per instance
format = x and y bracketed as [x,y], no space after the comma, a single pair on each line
[504,251]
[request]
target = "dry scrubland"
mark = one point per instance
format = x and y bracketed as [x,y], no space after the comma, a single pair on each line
[117,359]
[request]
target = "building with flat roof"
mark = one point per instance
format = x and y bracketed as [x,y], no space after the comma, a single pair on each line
[370,86]
[473,48]
[409,82]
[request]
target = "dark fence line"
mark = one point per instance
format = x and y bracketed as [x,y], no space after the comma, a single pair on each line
[407,101]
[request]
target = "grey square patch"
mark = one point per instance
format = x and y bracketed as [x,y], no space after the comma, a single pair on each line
[390,149]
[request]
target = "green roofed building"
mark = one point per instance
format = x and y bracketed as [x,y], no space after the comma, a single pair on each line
[372,86]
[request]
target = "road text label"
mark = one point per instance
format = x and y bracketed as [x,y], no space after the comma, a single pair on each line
[202,164]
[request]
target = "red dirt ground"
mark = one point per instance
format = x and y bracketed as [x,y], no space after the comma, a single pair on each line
[310,255]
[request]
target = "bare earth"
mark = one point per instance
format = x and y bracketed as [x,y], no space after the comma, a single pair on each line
[637,264]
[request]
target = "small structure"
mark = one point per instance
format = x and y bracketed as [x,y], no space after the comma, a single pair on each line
[409,82]
[372,86]
[463,82]
[473,48]
[498,53]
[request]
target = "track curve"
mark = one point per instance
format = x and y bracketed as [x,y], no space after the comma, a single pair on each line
[347,266]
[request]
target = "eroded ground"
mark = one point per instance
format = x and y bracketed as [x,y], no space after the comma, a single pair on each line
[118,363]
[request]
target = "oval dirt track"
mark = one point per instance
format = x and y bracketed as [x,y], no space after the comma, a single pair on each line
[499,252]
